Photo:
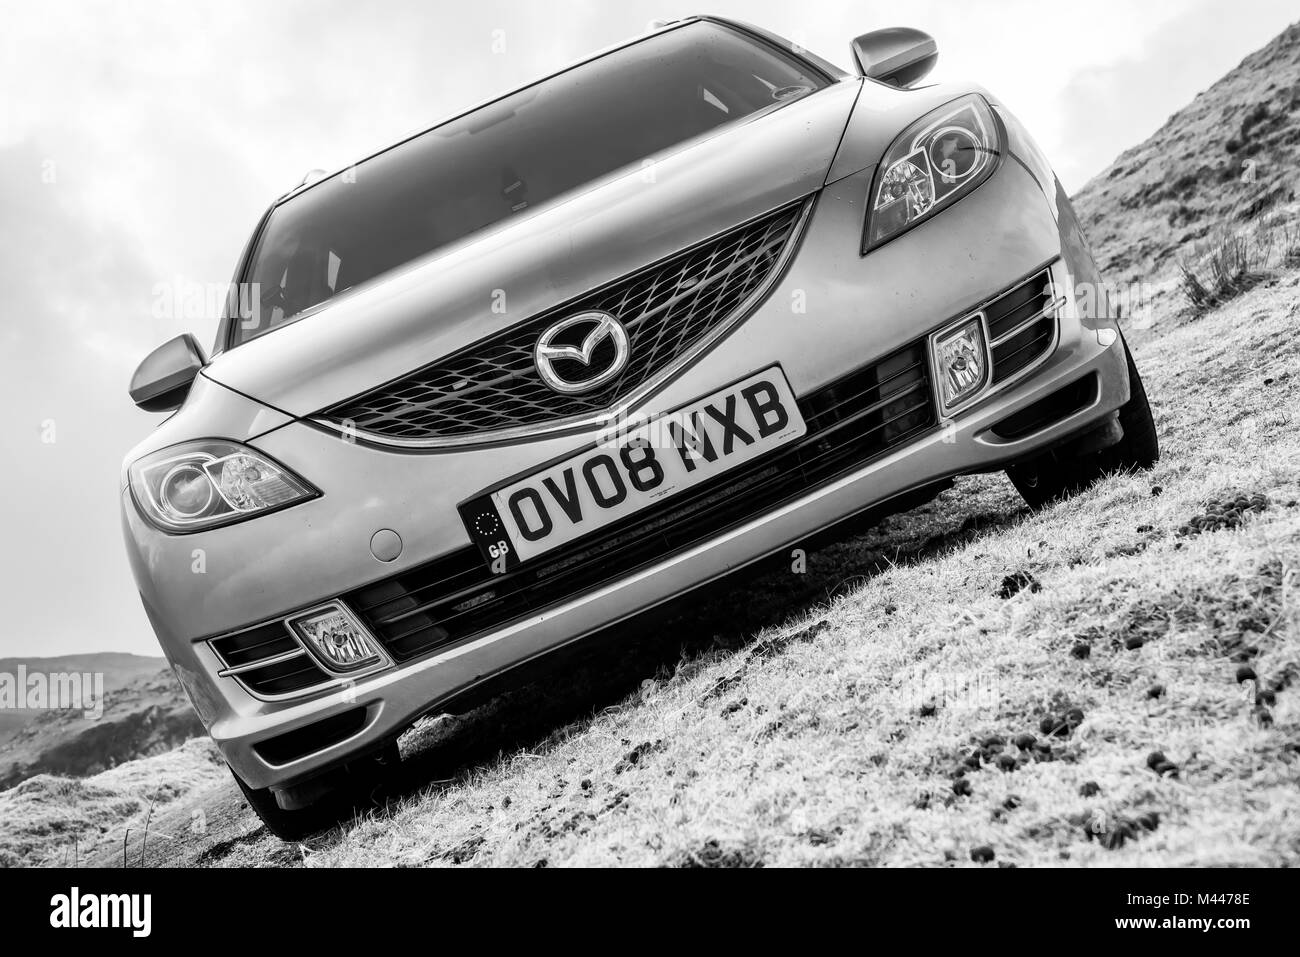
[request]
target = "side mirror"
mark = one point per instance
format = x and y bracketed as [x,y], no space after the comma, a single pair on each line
[164,378]
[899,56]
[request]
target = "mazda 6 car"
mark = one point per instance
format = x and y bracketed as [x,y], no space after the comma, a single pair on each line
[582,349]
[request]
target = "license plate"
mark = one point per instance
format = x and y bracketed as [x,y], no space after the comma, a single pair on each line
[638,468]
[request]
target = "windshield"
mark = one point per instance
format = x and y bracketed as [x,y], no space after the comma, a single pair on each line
[508,157]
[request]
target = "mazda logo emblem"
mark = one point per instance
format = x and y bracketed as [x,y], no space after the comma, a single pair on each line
[569,355]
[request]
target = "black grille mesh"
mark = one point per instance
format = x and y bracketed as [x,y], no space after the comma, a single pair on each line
[493,385]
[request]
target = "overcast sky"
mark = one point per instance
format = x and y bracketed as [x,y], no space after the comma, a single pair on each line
[140,140]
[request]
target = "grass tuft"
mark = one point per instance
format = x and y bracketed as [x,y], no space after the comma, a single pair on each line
[1236,263]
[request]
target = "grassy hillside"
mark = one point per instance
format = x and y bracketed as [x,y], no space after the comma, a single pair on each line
[55,820]
[1230,156]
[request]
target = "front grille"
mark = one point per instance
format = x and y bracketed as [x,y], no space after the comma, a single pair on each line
[268,660]
[850,422]
[668,310]
[1022,325]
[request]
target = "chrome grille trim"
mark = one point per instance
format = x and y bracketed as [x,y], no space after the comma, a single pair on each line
[332,421]
[1053,309]
[1046,320]
[264,663]
[252,665]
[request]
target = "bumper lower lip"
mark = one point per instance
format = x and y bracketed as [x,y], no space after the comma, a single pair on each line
[394,698]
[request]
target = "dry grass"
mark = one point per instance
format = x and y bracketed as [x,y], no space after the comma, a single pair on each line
[837,737]
[1234,261]
[56,820]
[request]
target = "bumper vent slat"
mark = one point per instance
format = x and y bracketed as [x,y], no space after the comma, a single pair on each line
[850,422]
[1059,405]
[668,310]
[1021,340]
[259,653]
[894,386]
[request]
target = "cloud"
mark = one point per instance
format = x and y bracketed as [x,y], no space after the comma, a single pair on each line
[1119,104]
[69,347]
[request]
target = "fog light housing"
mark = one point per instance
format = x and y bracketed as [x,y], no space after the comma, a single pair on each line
[336,638]
[961,363]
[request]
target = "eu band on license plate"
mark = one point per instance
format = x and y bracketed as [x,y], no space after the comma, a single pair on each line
[635,470]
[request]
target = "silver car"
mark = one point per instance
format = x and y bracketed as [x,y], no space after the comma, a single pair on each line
[585,348]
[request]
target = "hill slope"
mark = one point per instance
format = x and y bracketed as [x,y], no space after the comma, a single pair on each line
[56,820]
[1229,156]
[117,668]
[146,715]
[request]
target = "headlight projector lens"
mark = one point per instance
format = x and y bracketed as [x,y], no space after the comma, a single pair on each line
[186,491]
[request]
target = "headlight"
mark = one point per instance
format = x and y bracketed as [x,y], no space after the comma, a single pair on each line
[938,159]
[207,483]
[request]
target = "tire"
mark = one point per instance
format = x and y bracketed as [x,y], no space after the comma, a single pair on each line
[347,790]
[289,826]
[1055,476]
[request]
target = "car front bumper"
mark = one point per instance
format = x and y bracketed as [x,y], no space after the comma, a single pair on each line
[854,309]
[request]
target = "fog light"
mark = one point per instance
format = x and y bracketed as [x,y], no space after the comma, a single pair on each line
[336,638]
[961,364]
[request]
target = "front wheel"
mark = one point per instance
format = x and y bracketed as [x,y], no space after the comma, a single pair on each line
[321,804]
[1057,475]
[295,825]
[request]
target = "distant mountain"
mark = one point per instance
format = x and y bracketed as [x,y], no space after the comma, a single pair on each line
[145,713]
[1228,157]
[11,721]
[119,669]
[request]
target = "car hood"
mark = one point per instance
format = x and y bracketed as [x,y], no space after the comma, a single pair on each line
[496,279]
